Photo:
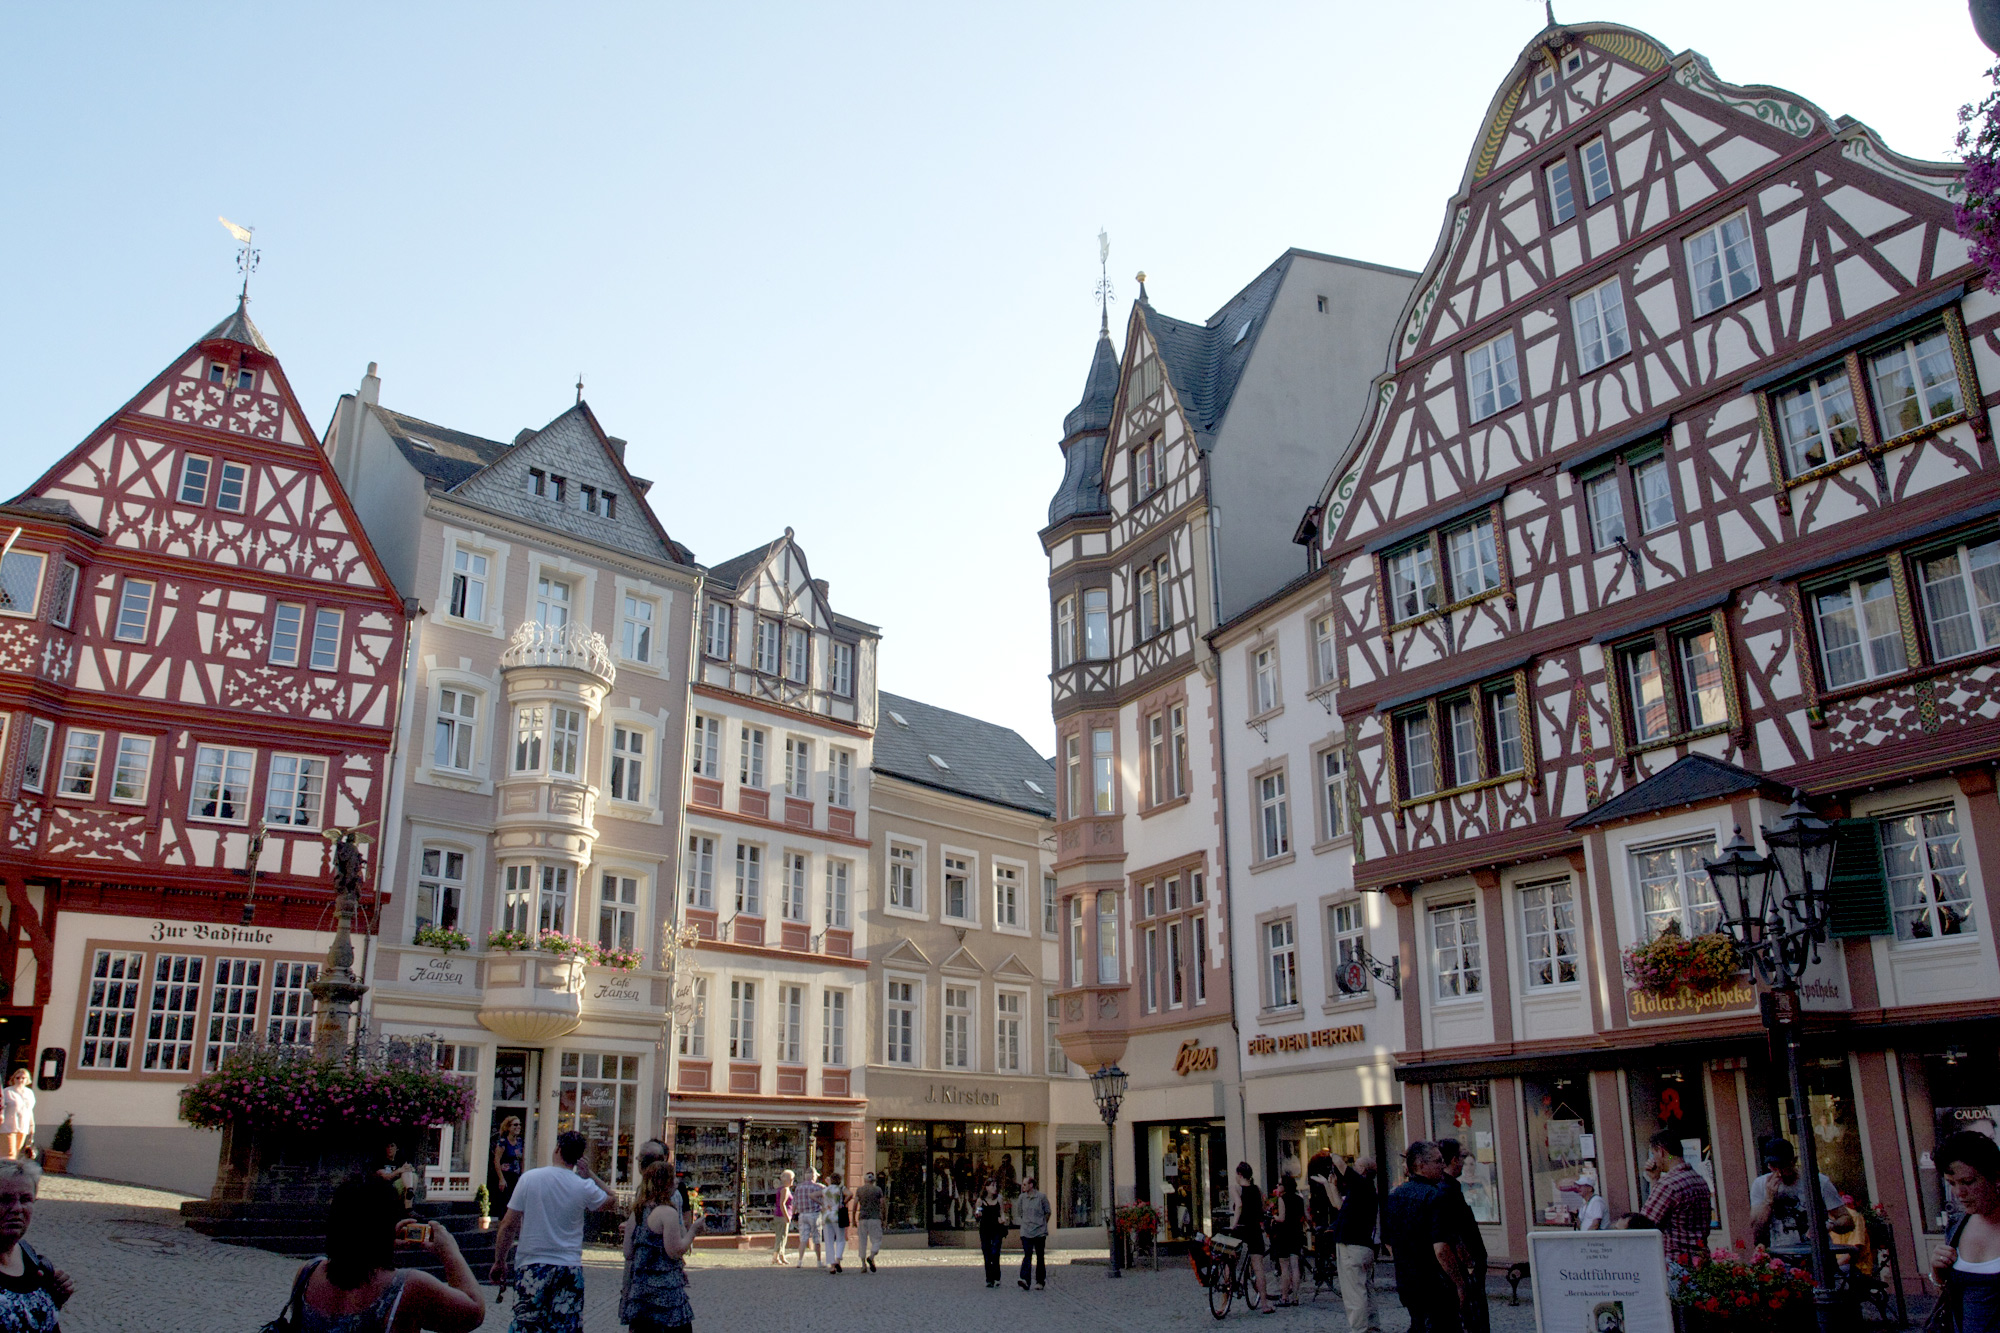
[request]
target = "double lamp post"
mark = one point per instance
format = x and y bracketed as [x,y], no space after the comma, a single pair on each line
[1775,908]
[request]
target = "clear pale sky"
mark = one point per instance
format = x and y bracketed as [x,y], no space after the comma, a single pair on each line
[824,266]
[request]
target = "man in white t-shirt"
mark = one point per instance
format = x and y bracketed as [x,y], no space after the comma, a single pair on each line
[546,1212]
[1591,1217]
[1778,1200]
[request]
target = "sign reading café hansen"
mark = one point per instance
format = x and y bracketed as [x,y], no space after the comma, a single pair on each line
[1599,1282]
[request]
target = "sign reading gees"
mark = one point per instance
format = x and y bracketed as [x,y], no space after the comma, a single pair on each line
[1305,1041]
[1193,1058]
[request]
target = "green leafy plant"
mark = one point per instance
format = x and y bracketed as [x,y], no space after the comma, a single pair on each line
[513,941]
[442,938]
[65,1135]
[483,1199]
[268,1088]
[1672,962]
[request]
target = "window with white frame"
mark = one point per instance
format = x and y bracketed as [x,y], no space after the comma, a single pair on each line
[617,910]
[1646,689]
[715,639]
[1419,759]
[1461,737]
[840,778]
[235,986]
[903,883]
[1176,984]
[111,1010]
[135,611]
[1177,736]
[694,1032]
[750,767]
[1562,194]
[628,763]
[134,767]
[1076,793]
[21,582]
[749,879]
[1928,888]
[698,875]
[1163,571]
[837,875]
[1148,602]
[840,669]
[455,729]
[705,748]
[798,768]
[1674,889]
[1860,634]
[468,584]
[1077,975]
[1096,624]
[290,1013]
[792,1025]
[1413,581]
[957,1053]
[535,897]
[742,1020]
[565,740]
[1065,631]
[221,783]
[1596,171]
[1548,932]
[531,725]
[1503,705]
[1599,318]
[833,1028]
[792,887]
[1333,793]
[1158,782]
[1274,820]
[1107,937]
[81,752]
[1722,266]
[1325,672]
[35,754]
[1472,558]
[1653,487]
[635,635]
[1103,772]
[1264,679]
[194,479]
[798,654]
[170,1015]
[1007,1032]
[957,888]
[766,659]
[1704,699]
[1606,503]
[1493,377]
[1146,468]
[1006,896]
[440,887]
[1058,1059]
[287,633]
[1346,940]
[552,599]
[1198,968]
[62,602]
[232,487]
[1915,382]
[1961,588]
[1455,956]
[899,1022]
[294,790]
[1281,964]
[1816,421]
[1049,905]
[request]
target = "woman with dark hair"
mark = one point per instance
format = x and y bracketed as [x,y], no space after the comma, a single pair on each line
[357,1288]
[1966,1268]
[1248,1227]
[991,1214]
[1288,1237]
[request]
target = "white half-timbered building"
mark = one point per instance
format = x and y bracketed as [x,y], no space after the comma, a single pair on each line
[1679,492]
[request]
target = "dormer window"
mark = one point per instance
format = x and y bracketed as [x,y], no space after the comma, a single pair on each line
[558,486]
[610,503]
[246,379]
[589,499]
[216,374]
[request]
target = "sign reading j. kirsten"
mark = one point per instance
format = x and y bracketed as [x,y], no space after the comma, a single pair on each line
[951,1094]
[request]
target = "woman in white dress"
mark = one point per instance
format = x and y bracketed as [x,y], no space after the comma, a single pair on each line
[17,1114]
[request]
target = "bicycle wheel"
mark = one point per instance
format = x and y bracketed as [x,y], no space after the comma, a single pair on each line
[1221,1289]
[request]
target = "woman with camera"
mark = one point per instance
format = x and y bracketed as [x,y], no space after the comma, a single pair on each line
[357,1288]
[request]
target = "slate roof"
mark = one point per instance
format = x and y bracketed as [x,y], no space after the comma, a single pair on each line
[1693,779]
[988,762]
[1205,361]
[444,456]
[238,329]
[730,572]
[1100,387]
[41,506]
[1081,491]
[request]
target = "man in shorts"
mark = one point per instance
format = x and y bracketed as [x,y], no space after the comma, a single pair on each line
[546,1213]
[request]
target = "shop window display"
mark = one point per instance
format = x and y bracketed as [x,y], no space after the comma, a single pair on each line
[599,1095]
[768,1151]
[1836,1131]
[1293,1143]
[1464,1111]
[708,1154]
[936,1169]
[1186,1172]
[1946,1091]
[1562,1147]
[1671,1097]
[1077,1197]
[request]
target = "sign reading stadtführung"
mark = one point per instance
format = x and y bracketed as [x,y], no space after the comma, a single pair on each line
[1600,1282]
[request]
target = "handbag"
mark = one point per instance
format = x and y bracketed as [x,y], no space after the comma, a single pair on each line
[1944,1315]
[289,1319]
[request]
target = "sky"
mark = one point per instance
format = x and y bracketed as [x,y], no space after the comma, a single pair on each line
[825,267]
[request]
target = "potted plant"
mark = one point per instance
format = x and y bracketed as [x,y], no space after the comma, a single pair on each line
[1672,962]
[618,960]
[484,1199]
[444,939]
[55,1158]
[509,941]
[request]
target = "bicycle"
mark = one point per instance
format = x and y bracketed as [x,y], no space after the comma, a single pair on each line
[1226,1274]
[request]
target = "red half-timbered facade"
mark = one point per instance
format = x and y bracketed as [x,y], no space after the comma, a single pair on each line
[201,657]
[1680,491]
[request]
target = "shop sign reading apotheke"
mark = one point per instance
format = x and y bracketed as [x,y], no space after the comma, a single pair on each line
[1306,1041]
[1684,1003]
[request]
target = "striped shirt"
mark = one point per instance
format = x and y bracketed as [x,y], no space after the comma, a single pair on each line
[1679,1203]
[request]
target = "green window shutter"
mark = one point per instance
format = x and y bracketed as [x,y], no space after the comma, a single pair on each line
[1860,888]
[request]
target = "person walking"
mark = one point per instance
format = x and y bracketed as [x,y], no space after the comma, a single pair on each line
[1966,1268]
[1473,1313]
[32,1290]
[17,1113]
[1288,1237]
[869,1215]
[782,1212]
[546,1214]
[357,1287]
[507,1160]
[1430,1276]
[833,1214]
[991,1213]
[1353,1239]
[1249,1228]
[1680,1202]
[1032,1211]
[809,1195]
[656,1299]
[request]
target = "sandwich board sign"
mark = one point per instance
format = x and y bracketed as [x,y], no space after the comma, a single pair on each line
[1600,1282]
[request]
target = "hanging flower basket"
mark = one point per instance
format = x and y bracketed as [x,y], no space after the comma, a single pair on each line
[281,1088]
[1138,1219]
[1673,962]
[442,938]
[619,960]
[1725,1292]
[1978,206]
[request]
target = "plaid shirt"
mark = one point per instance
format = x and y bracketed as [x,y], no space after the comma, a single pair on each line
[1679,1203]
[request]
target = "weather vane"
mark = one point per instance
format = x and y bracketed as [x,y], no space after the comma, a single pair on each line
[247,254]
[1104,292]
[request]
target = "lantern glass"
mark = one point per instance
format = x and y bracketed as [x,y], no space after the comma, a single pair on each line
[1107,1085]
[1742,881]
[1802,848]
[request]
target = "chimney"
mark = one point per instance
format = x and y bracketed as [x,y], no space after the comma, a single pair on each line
[371,387]
[521,436]
[820,584]
[617,446]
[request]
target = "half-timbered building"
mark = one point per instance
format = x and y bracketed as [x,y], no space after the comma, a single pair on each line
[1166,520]
[535,796]
[768,1064]
[1679,492]
[202,656]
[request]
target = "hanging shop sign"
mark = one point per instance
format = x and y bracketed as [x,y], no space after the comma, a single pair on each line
[1307,1041]
[1193,1058]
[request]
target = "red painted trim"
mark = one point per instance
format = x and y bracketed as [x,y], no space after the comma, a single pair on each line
[773,826]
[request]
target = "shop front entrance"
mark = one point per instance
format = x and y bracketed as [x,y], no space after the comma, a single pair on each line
[1183,1167]
[933,1172]
[511,1142]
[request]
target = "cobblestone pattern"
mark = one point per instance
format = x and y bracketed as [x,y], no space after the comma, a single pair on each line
[138,1270]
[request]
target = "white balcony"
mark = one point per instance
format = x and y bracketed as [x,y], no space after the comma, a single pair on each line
[532,997]
[568,647]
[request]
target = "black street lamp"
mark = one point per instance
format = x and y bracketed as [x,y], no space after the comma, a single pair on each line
[1775,908]
[1107,1085]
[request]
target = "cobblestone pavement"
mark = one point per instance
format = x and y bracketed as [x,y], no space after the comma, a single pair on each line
[138,1270]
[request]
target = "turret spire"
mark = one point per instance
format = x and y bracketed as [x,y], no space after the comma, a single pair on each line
[1104,292]
[247,255]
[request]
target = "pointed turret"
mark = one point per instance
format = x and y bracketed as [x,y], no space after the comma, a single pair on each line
[1082,488]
